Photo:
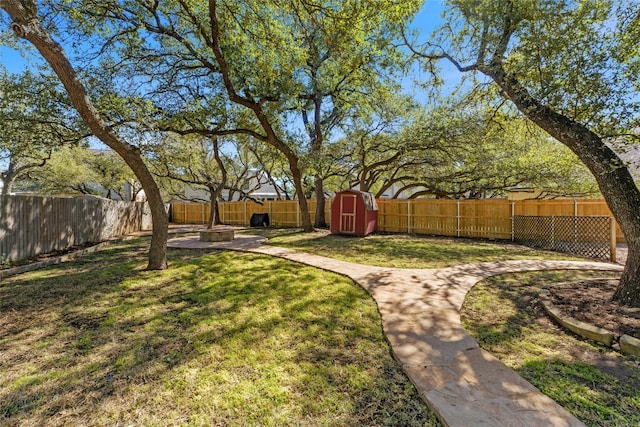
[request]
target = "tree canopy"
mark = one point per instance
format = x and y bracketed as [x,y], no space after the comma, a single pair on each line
[36,121]
[80,170]
[285,73]
[460,150]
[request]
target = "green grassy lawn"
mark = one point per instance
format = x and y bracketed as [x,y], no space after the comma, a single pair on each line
[597,384]
[401,251]
[600,386]
[220,338]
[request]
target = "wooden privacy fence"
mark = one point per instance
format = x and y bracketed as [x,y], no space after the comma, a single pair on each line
[460,218]
[282,213]
[487,218]
[30,225]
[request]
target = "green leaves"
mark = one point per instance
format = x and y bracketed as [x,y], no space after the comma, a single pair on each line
[574,56]
[35,119]
[79,170]
[463,149]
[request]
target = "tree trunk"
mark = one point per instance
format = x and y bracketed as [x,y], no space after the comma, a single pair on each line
[628,292]
[216,191]
[8,178]
[7,184]
[13,172]
[302,201]
[613,178]
[27,26]
[212,220]
[275,187]
[320,220]
[363,186]
[270,137]
[214,214]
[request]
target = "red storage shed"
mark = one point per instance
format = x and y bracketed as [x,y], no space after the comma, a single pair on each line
[354,212]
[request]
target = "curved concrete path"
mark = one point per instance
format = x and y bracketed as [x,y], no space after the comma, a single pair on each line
[420,310]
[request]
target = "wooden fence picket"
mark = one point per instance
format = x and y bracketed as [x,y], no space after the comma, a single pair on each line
[32,225]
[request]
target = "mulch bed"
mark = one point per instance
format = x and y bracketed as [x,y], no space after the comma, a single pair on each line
[590,302]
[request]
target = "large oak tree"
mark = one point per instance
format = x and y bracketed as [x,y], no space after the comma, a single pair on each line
[296,68]
[459,148]
[568,66]
[26,24]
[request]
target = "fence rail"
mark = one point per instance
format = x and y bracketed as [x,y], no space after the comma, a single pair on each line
[31,225]
[492,219]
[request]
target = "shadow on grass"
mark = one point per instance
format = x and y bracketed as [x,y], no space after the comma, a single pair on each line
[223,338]
[498,308]
[596,384]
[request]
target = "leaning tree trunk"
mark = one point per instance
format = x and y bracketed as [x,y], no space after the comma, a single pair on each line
[613,177]
[270,137]
[26,25]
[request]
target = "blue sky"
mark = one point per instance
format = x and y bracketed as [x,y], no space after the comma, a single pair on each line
[12,60]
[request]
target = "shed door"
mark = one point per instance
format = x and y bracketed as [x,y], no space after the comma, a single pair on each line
[348,213]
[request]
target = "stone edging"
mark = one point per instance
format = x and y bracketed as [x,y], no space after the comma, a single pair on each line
[627,344]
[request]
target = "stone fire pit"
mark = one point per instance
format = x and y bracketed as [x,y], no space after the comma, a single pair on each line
[217,234]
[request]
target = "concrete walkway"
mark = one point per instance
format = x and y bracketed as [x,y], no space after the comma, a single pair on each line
[420,311]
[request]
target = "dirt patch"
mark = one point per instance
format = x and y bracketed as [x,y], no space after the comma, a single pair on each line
[55,254]
[46,256]
[590,301]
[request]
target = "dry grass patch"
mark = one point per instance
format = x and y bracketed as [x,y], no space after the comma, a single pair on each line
[218,339]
